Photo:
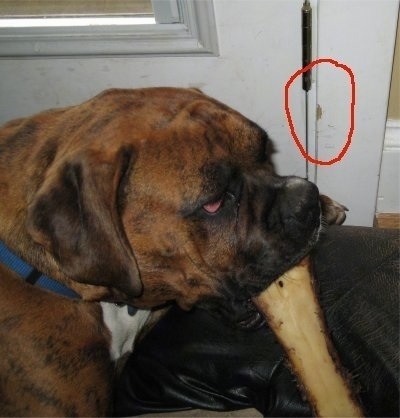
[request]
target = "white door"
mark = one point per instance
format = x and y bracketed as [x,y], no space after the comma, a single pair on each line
[360,34]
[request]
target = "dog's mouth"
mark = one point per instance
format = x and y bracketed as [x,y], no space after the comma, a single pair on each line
[235,313]
[254,320]
[251,281]
[310,245]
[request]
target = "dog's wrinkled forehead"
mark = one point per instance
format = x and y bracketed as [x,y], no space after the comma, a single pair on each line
[173,122]
[205,135]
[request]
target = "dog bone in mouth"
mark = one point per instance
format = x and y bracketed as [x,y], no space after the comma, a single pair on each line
[292,311]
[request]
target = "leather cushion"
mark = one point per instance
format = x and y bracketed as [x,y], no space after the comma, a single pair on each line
[193,360]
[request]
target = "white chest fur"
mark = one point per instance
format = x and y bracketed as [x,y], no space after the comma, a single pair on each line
[123,327]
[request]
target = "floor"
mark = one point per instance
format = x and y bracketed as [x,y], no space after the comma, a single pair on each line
[387,220]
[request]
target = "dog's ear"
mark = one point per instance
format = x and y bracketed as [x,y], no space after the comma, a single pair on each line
[76,216]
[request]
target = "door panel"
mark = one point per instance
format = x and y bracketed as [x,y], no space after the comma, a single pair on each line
[361,34]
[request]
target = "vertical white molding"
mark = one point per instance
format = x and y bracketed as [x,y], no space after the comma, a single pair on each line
[388,200]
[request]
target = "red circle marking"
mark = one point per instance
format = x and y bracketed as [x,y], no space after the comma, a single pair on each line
[352,106]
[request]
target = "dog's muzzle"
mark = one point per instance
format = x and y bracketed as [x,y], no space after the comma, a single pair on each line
[299,204]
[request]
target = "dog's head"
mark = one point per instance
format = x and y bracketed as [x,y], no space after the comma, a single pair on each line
[167,195]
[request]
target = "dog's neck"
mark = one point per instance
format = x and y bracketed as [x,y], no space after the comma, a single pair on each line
[18,241]
[30,274]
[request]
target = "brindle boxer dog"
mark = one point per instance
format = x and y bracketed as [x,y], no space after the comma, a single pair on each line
[143,197]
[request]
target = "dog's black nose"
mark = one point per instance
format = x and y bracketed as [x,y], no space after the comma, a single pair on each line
[299,205]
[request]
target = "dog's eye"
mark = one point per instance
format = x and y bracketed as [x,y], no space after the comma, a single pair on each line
[215,206]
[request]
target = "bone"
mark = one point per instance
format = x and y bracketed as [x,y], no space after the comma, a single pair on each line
[292,310]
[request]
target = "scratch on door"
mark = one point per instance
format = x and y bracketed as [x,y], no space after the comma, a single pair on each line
[319,112]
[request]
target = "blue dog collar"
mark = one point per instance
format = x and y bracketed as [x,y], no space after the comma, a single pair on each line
[31,275]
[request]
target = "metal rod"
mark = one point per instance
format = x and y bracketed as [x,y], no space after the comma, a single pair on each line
[307,148]
[306,25]
[306,43]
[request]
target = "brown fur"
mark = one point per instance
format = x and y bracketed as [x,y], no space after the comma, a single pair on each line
[54,353]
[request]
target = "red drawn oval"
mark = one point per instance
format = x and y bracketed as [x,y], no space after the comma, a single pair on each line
[352,108]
